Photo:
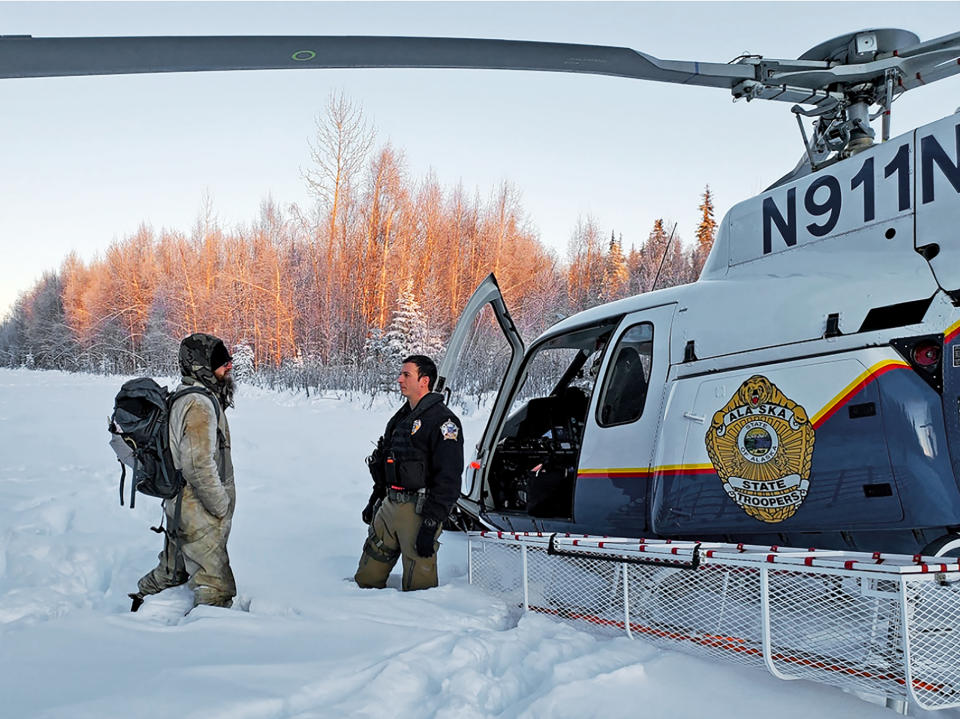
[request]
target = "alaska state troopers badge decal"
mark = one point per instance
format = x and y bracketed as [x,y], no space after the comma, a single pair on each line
[761,444]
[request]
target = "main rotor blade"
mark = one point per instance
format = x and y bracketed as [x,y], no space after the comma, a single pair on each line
[932,73]
[937,43]
[24,56]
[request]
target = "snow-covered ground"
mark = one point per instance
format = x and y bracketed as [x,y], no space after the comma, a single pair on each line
[311,643]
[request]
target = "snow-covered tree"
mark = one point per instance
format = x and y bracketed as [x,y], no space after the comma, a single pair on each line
[586,265]
[616,278]
[408,332]
[160,348]
[378,369]
[375,346]
[653,252]
[243,365]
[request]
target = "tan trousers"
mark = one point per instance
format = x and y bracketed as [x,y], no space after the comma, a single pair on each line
[203,562]
[393,533]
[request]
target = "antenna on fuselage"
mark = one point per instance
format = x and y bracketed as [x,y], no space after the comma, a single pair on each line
[666,247]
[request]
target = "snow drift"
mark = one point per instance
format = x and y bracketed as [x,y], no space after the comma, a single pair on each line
[302,641]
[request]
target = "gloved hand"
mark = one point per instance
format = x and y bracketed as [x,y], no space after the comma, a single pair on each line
[426,536]
[367,514]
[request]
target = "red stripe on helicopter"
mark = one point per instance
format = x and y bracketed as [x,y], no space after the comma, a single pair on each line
[683,470]
[951,332]
[645,472]
[854,387]
[614,473]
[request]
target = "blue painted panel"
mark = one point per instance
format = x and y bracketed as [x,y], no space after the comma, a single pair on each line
[850,462]
[849,454]
[696,504]
[619,506]
[917,444]
[951,401]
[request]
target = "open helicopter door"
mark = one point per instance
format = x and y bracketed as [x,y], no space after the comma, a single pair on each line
[937,193]
[619,441]
[484,352]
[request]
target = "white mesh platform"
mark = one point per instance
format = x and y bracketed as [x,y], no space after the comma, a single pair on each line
[881,624]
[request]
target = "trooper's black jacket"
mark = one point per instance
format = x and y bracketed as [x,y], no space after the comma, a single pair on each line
[422,449]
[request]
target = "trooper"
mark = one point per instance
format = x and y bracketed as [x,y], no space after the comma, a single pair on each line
[195,551]
[416,472]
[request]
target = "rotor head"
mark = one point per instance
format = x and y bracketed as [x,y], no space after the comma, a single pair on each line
[862,46]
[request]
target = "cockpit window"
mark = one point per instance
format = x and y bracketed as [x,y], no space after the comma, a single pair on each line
[533,469]
[625,389]
[571,360]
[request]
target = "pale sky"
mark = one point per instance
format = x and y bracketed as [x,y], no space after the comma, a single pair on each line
[86,160]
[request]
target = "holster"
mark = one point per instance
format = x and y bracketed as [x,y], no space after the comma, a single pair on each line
[374,548]
[376,465]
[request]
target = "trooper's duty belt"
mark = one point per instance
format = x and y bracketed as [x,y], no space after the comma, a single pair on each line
[400,495]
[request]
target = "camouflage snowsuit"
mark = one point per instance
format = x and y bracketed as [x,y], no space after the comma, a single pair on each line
[207,507]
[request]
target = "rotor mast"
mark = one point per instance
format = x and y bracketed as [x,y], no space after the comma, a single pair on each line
[850,74]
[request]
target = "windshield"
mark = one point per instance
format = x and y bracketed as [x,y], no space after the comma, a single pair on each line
[564,367]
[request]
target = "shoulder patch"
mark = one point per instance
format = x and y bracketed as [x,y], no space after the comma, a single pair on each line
[416,426]
[449,430]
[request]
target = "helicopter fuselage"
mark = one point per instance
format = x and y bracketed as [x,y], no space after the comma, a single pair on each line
[804,391]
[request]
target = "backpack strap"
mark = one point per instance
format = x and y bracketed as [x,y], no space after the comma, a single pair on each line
[133,483]
[173,532]
[221,439]
[199,389]
[172,528]
[172,525]
[195,389]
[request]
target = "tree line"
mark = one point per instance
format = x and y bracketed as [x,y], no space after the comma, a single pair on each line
[323,297]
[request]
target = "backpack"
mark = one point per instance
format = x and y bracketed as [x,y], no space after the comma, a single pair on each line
[141,440]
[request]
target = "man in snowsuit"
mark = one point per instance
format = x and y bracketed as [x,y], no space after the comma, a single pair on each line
[416,470]
[200,446]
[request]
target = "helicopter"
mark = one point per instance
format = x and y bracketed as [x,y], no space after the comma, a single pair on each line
[805,391]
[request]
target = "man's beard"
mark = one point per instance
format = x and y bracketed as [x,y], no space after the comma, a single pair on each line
[226,388]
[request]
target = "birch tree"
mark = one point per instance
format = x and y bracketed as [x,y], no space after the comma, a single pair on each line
[338,152]
[585,274]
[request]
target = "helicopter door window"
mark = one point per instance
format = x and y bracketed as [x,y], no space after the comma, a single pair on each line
[625,390]
[533,469]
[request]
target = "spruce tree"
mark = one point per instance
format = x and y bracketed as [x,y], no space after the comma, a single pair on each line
[408,332]
[379,369]
[616,278]
[653,255]
[243,361]
[706,232]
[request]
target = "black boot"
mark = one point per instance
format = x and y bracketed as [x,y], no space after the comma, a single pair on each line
[137,598]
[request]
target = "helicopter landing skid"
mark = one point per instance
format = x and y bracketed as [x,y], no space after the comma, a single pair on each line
[877,625]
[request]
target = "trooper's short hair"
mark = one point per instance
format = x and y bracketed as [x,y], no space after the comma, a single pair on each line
[425,368]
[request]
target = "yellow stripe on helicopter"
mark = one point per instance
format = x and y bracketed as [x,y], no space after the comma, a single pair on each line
[862,380]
